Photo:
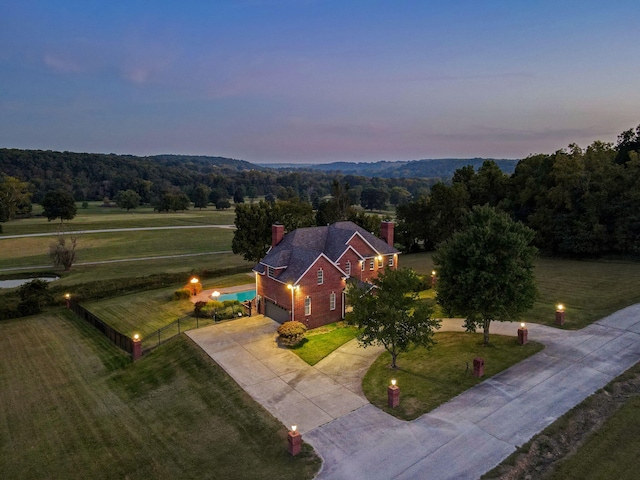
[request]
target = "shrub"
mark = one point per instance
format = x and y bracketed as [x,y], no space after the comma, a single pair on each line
[198,309]
[33,296]
[291,333]
[182,294]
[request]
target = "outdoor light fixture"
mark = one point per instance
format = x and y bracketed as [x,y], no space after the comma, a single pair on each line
[194,280]
[393,382]
[136,337]
[560,307]
[67,296]
[433,272]
[294,428]
[380,257]
[215,295]
[522,325]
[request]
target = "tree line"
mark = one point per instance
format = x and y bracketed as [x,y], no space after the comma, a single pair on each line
[579,202]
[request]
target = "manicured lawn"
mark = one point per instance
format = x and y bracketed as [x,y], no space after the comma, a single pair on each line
[320,342]
[589,290]
[430,378]
[146,312]
[73,406]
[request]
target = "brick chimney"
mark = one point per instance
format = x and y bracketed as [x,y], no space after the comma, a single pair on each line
[386,232]
[277,232]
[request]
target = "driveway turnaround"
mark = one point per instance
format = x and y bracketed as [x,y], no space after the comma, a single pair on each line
[294,392]
[461,439]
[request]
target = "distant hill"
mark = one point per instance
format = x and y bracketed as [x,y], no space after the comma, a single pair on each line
[434,168]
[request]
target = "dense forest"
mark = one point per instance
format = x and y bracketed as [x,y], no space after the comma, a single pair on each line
[97,176]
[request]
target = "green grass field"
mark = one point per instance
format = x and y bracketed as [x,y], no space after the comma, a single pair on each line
[98,217]
[589,290]
[146,312]
[73,406]
[321,341]
[428,378]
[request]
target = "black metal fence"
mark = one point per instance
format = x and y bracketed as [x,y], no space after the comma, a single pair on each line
[119,339]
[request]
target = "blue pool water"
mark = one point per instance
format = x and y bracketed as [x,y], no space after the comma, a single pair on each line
[240,296]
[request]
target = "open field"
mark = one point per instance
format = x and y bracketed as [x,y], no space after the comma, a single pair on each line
[73,406]
[589,290]
[429,378]
[95,247]
[97,217]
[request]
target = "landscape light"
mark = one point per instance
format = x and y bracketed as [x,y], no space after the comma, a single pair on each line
[136,337]
[522,325]
[560,307]
[67,296]
[194,280]
[433,273]
[215,294]
[294,428]
[393,382]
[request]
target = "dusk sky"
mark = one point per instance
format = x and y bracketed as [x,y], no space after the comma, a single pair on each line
[318,81]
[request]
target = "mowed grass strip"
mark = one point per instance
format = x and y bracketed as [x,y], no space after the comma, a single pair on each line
[98,217]
[321,341]
[589,290]
[429,378]
[95,247]
[73,406]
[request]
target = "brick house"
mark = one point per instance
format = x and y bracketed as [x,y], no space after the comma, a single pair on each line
[304,274]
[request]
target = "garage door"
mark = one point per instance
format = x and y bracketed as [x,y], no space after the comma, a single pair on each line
[276,312]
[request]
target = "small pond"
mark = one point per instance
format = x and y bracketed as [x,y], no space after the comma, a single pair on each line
[16,282]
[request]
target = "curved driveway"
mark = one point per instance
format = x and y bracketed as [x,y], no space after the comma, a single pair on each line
[461,439]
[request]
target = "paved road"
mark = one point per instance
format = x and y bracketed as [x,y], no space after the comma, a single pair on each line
[461,439]
[109,230]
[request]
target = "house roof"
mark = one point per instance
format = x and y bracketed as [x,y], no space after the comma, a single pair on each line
[300,248]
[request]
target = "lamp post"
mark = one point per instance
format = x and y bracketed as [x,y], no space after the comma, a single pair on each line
[433,278]
[522,334]
[215,296]
[137,347]
[293,288]
[194,281]
[67,299]
[560,314]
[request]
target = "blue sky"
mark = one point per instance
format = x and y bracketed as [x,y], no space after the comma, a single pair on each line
[317,81]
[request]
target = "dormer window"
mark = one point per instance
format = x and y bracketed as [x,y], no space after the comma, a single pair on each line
[320,277]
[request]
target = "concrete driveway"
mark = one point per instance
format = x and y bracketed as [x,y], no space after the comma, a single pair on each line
[294,392]
[461,439]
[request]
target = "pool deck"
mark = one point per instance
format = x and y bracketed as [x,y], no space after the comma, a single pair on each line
[205,295]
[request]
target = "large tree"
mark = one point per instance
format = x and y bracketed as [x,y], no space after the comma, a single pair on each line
[253,221]
[128,199]
[14,197]
[485,270]
[389,313]
[59,204]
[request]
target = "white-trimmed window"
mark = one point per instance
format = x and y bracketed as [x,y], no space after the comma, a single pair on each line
[320,276]
[371,264]
[380,261]
[391,260]
[307,306]
[332,301]
[347,267]
[271,272]
[362,265]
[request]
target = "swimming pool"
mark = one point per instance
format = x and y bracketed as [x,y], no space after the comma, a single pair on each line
[240,296]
